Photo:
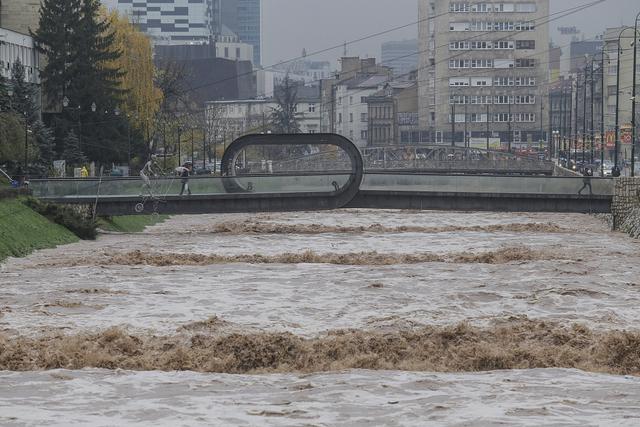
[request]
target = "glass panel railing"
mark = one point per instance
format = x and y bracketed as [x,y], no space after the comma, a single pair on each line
[131,187]
[488,184]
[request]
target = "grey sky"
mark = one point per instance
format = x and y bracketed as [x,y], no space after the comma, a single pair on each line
[291,25]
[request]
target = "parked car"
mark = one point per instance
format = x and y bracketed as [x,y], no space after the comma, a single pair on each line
[608,166]
[203,171]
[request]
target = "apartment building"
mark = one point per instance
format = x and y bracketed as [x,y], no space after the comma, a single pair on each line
[393,115]
[483,69]
[234,118]
[352,109]
[176,21]
[244,17]
[20,15]
[401,57]
[16,46]
[353,70]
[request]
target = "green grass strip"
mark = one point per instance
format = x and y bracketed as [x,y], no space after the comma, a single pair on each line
[23,231]
[130,223]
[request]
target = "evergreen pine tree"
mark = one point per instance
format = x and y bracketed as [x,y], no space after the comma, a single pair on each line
[97,81]
[4,94]
[45,142]
[23,98]
[59,22]
[94,80]
[72,152]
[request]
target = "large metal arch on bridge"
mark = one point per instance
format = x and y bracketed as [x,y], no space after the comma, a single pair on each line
[348,184]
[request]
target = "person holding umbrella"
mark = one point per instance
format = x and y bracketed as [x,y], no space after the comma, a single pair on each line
[184,171]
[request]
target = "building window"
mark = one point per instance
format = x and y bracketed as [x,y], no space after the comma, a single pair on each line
[482,7]
[339,117]
[503,45]
[363,117]
[482,63]
[481,45]
[462,45]
[457,99]
[525,44]
[503,99]
[459,26]
[525,63]
[312,108]
[459,81]
[459,7]
[363,134]
[350,117]
[504,63]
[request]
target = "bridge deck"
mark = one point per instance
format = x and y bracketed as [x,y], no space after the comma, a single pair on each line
[316,191]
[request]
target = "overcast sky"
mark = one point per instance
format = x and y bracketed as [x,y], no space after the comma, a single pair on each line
[291,25]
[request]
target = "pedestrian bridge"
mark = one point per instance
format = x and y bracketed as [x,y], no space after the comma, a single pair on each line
[252,184]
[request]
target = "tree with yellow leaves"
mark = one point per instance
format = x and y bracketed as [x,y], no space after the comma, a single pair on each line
[143,99]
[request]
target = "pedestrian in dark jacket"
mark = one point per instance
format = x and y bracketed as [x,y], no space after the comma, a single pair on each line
[184,171]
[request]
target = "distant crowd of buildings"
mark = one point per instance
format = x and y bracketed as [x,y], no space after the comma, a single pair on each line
[480,71]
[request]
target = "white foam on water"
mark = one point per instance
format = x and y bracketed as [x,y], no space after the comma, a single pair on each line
[351,398]
[596,284]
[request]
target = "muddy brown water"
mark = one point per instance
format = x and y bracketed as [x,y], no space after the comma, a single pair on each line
[302,293]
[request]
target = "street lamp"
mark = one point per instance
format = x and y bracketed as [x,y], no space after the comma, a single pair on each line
[26,133]
[602,104]
[584,113]
[179,148]
[616,168]
[633,105]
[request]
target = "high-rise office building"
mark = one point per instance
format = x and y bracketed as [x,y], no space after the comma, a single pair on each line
[175,21]
[483,71]
[244,17]
[401,57]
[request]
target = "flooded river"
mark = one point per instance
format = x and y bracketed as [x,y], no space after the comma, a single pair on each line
[352,317]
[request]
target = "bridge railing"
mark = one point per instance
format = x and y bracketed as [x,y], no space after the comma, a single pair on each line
[489,184]
[170,186]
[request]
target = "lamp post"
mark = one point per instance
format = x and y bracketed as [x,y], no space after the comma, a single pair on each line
[561,140]
[592,136]
[584,115]
[26,141]
[616,171]
[179,149]
[488,131]
[129,142]
[509,122]
[602,104]
[633,98]
[453,122]
[192,150]
[575,128]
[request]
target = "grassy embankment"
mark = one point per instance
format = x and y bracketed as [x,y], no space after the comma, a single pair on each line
[23,231]
[130,223]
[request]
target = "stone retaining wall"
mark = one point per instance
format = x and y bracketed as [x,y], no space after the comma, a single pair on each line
[626,206]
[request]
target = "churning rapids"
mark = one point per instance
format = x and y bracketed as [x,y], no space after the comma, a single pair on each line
[352,317]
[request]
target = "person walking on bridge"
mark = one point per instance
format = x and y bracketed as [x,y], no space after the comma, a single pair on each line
[149,169]
[184,172]
[586,181]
